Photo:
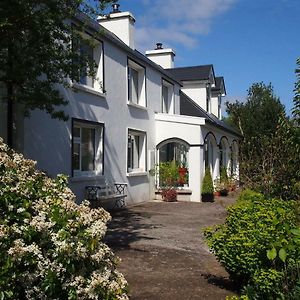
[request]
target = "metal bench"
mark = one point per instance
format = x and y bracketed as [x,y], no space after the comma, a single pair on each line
[106,192]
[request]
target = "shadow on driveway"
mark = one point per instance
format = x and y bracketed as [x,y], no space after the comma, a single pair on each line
[163,252]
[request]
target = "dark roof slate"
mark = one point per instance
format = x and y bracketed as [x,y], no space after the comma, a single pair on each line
[192,73]
[189,107]
[220,85]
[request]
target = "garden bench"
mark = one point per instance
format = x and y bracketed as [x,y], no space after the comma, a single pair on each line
[106,192]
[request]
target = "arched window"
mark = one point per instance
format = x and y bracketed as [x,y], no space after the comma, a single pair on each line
[175,150]
[224,153]
[234,159]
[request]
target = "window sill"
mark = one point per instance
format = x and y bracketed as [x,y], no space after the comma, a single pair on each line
[88,89]
[137,106]
[137,173]
[85,178]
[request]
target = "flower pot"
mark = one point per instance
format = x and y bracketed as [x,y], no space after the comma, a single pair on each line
[217,193]
[207,197]
[169,195]
[224,192]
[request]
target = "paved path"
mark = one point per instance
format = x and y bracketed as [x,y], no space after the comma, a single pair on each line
[163,253]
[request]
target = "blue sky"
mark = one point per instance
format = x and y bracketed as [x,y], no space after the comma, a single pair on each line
[246,41]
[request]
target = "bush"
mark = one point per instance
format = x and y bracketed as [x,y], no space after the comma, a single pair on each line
[255,230]
[207,183]
[50,247]
[168,174]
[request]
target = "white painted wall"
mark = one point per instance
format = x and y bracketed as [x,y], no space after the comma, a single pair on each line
[122,25]
[49,141]
[197,92]
[215,106]
[187,129]
[162,57]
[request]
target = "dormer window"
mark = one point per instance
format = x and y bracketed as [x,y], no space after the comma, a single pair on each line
[167,105]
[136,84]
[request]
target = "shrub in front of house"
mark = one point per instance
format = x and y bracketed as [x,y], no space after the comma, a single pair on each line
[207,192]
[50,247]
[258,246]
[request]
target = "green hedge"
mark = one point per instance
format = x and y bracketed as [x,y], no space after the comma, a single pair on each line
[256,244]
[50,247]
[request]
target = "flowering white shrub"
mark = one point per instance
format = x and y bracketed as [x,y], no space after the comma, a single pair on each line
[50,247]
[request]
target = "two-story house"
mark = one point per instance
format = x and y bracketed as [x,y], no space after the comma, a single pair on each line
[138,112]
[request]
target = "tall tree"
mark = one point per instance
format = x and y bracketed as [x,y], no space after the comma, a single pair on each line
[269,159]
[36,53]
[296,108]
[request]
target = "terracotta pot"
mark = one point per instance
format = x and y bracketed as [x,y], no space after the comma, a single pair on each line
[217,194]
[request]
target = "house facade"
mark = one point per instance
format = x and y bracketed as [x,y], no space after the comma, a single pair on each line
[138,112]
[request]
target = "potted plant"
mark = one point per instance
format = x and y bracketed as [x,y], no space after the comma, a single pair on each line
[207,193]
[217,185]
[182,175]
[224,182]
[168,175]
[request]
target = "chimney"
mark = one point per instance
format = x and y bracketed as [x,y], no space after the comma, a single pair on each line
[161,56]
[119,23]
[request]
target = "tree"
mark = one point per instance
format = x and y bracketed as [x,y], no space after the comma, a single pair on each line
[269,157]
[296,100]
[36,53]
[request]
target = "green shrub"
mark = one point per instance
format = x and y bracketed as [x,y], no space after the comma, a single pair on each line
[168,174]
[207,183]
[50,247]
[254,228]
[223,175]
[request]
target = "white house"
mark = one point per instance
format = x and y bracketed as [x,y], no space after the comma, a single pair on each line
[140,111]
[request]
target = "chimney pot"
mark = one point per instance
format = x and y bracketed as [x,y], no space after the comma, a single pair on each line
[115,8]
[158,46]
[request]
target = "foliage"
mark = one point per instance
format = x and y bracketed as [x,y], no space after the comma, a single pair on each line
[169,195]
[168,174]
[207,183]
[254,230]
[270,149]
[224,175]
[50,247]
[37,51]
[296,100]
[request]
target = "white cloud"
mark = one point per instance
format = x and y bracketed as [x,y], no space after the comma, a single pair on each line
[177,22]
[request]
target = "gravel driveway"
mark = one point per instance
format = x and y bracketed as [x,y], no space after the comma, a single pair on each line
[163,252]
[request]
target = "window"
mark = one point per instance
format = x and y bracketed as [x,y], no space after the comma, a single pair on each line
[87,156]
[136,152]
[91,70]
[167,97]
[136,84]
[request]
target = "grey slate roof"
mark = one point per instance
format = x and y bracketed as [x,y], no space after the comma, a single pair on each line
[188,107]
[220,84]
[192,73]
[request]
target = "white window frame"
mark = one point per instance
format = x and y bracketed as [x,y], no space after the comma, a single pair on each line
[167,105]
[98,147]
[94,84]
[136,151]
[141,83]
